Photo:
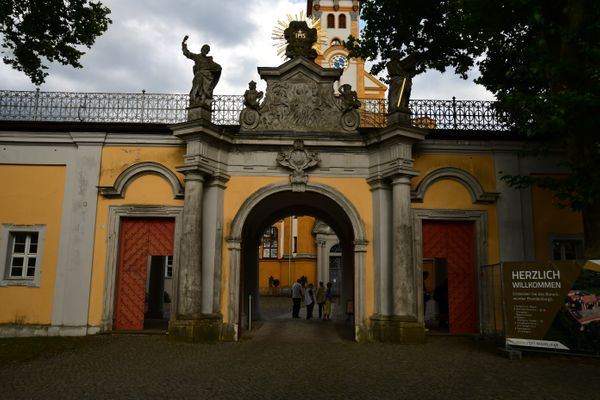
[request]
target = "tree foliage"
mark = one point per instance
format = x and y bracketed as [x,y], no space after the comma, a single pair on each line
[541,59]
[54,30]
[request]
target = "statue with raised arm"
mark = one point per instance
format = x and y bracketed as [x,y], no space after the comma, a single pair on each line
[206,75]
[400,72]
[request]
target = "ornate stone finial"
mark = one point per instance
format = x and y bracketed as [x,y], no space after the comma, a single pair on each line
[250,116]
[298,159]
[300,40]
[401,72]
[350,102]
[206,76]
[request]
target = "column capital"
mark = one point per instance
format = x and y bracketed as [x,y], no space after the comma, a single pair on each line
[401,179]
[378,182]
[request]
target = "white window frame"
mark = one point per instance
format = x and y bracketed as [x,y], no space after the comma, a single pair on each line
[6,254]
[168,265]
[563,238]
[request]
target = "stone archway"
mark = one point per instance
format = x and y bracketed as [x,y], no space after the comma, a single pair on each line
[276,201]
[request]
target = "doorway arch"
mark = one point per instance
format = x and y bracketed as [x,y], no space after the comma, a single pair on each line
[276,201]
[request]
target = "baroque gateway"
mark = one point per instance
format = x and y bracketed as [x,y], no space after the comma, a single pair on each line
[104,224]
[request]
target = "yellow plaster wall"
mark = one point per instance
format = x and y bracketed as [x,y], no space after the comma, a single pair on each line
[480,166]
[549,219]
[145,190]
[356,190]
[32,195]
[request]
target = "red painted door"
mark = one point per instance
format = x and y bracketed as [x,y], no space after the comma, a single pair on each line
[139,238]
[455,242]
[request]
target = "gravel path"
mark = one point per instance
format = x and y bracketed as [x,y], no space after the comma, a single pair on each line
[296,359]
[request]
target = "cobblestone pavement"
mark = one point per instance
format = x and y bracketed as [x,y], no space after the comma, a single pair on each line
[294,359]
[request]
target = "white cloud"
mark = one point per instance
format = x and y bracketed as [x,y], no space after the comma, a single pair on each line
[142,50]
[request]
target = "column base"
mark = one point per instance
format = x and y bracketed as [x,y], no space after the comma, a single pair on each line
[205,329]
[393,329]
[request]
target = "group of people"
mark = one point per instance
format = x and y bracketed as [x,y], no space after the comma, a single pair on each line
[321,296]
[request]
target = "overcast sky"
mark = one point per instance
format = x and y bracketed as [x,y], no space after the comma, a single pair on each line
[142,50]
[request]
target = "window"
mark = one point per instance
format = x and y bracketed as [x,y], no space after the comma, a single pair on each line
[336,42]
[567,249]
[270,243]
[330,21]
[168,266]
[342,21]
[21,249]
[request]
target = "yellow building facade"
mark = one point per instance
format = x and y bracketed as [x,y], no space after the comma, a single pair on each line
[115,226]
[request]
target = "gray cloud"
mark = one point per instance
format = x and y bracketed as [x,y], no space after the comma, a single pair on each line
[142,50]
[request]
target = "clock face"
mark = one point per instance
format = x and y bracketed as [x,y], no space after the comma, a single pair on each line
[339,61]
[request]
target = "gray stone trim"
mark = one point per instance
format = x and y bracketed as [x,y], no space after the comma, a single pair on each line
[115,213]
[135,171]
[235,239]
[479,217]
[143,140]
[5,232]
[466,179]
[44,330]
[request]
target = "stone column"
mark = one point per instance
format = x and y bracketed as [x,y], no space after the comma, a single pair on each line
[403,269]
[190,323]
[212,239]
[190,266]
[322,266]
[382,245]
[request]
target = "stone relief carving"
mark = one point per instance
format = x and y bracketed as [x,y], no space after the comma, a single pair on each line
[298,159]
[303,106]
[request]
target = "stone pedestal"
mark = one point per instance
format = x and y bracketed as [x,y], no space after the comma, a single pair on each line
[399,117]
[205,329]
[394,329]
[198,112]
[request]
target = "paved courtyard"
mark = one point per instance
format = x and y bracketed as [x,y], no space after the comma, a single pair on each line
[295,359]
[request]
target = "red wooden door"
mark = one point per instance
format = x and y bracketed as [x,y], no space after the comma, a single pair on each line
[455,242]
[139,238]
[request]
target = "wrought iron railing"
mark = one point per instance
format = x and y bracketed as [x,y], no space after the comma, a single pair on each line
[171,108]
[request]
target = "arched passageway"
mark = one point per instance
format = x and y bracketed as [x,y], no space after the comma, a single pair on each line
[274,203]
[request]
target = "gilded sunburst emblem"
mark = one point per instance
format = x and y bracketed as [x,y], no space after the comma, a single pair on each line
[279,39]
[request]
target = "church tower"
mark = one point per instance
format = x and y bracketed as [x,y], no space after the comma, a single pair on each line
[339,19]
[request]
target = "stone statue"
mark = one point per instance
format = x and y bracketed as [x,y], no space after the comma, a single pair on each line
[400,72]
[349,98]
[250,116]
[206,75]
[300,40]
[350,119]
[252,96]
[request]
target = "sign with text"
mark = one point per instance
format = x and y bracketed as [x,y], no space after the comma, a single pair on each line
[553,305]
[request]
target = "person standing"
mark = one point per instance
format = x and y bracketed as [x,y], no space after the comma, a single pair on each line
[296,298]
[309,300]
[328,298]
[320,295]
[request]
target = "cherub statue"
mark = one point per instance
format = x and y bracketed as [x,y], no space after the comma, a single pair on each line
[349,98]
[252,97]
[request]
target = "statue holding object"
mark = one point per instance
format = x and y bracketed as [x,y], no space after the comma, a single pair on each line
[400,72]
[206,75]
